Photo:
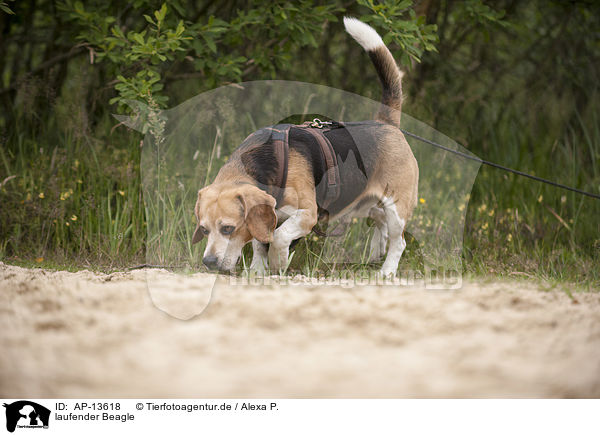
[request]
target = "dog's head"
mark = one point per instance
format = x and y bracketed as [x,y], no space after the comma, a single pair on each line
[230,215]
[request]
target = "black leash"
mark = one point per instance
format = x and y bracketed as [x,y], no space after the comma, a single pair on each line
[504,168]
[150,266]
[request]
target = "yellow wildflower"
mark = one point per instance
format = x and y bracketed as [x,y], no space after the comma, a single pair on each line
[73,218]
[422,200]
[39,259]
[121,192]
[540,198]
[41,195]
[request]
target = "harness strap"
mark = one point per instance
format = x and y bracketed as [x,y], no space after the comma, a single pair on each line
[280,137]
[280,140]
[332,171]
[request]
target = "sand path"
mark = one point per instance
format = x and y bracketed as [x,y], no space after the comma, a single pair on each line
[93,335]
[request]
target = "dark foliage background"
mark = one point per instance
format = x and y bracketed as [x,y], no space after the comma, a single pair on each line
[514,81]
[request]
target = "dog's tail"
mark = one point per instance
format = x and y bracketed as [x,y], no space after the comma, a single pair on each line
[389,73]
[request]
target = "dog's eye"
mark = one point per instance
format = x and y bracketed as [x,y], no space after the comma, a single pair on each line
[227,229]
[204,231]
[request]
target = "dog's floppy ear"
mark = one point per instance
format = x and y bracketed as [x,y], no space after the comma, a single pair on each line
[198,234]
[259,211]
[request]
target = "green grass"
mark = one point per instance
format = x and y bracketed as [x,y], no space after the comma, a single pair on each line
[76,202]
[71,198]
[515,225]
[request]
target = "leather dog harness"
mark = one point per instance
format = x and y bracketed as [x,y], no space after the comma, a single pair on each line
[317,129]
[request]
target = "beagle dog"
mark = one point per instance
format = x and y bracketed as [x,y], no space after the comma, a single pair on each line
[379,181]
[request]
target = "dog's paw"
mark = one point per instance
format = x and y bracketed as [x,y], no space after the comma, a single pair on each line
[387,272]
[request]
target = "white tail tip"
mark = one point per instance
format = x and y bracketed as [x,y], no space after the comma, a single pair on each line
[364,34]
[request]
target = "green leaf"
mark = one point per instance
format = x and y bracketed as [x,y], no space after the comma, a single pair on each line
[211,44]
[180,28]
[115,30]
[160,14]
[5,8]
[138,38]
[78,6]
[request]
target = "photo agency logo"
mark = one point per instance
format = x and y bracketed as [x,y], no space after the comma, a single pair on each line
[25,414]
[226,175]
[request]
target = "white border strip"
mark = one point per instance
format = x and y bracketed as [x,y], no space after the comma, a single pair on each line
[297,416]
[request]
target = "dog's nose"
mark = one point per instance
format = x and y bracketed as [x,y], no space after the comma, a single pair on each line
[210,262]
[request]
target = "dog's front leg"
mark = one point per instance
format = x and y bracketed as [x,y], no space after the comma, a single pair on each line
[259,257]
[299,224]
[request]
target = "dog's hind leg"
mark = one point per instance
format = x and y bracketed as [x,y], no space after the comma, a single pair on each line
[395,225]
[260,257]
[380,234]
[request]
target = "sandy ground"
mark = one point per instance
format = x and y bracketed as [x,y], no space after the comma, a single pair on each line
[93,335]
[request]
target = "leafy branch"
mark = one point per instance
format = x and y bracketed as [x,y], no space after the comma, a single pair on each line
[409,31]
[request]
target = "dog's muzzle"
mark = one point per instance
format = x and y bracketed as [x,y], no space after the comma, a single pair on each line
[211,262]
